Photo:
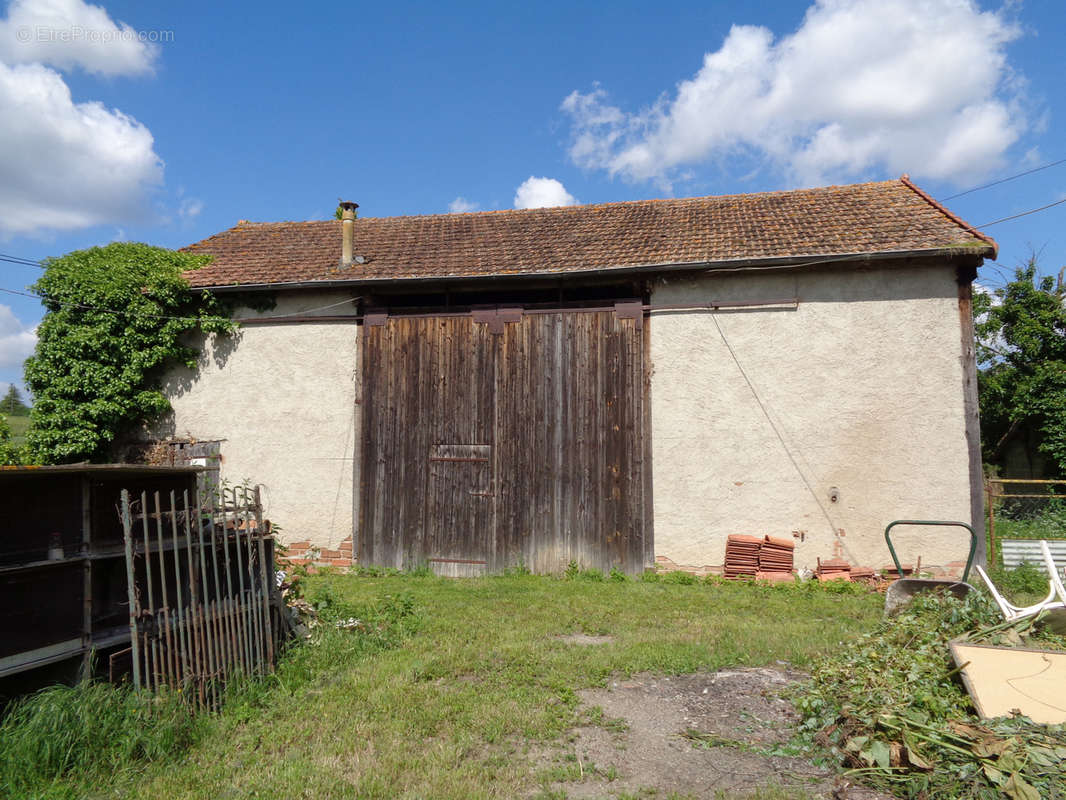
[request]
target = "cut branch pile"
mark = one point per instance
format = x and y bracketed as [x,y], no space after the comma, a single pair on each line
[891,707]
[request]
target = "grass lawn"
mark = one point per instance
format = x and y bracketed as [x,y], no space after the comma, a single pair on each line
[473,678]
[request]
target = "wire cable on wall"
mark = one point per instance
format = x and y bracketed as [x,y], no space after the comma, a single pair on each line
[773,426]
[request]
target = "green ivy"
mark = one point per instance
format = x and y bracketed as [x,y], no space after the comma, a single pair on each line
[113,327]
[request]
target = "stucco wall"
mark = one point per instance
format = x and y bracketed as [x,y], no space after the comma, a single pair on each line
[282,400]
[863,381]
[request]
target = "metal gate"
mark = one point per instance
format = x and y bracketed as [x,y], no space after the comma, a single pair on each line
[1021,511]
[504,437]
[201,590]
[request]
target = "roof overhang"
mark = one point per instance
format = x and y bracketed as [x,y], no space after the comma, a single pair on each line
[972,254]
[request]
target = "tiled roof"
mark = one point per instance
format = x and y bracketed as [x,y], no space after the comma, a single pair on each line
[867,218]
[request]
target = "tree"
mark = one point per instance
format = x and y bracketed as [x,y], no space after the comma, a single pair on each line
[114,319]
[1021,355]
[9,454]
[12,405]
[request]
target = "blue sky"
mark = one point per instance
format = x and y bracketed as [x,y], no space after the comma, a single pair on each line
[168,123]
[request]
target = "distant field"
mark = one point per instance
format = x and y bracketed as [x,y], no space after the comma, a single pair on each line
[19,425]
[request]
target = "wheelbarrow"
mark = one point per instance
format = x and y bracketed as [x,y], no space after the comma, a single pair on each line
[901,592]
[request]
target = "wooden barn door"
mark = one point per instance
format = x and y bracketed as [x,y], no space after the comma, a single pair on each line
[488,444]
[428,413]
[570,402]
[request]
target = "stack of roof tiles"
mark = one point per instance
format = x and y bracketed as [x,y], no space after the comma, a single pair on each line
[775,559]
[763,558]
[862,573]
[889,570]
[835,569]
[742,556]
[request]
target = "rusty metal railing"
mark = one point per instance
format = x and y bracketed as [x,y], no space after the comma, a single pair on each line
[201,587]
[1024,509]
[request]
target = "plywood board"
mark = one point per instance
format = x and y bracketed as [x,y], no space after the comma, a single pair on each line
[1002,679]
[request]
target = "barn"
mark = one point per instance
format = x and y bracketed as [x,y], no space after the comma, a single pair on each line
[619,385]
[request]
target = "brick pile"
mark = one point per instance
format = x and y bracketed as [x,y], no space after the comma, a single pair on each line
[890,572]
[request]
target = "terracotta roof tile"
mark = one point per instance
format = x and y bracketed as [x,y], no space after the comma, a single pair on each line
[882,217]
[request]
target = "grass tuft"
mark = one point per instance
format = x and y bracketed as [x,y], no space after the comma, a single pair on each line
[92,729]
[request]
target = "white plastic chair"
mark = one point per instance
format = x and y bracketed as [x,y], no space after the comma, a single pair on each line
[1056,577]
[1055,590]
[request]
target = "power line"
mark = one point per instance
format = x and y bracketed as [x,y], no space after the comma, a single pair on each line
[1003,180]
[86,307]
[21,294]
[1023,214]
[25,262]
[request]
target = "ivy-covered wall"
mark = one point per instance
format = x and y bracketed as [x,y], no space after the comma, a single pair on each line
[113,327]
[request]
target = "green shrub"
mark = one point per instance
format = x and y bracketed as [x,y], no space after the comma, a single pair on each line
[9,454]
[1050,523]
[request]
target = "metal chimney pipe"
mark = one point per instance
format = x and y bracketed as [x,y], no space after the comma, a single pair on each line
[347,231]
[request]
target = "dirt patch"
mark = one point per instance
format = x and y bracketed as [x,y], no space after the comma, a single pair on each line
[691,735]
[584,639]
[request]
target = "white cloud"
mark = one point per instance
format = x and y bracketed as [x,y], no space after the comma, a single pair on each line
[189,208]
[921,86]
[67,165]
[70,34]
[542,193]
[461,205]
[16,340]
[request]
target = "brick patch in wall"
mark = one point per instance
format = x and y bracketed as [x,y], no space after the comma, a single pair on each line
[305,554]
